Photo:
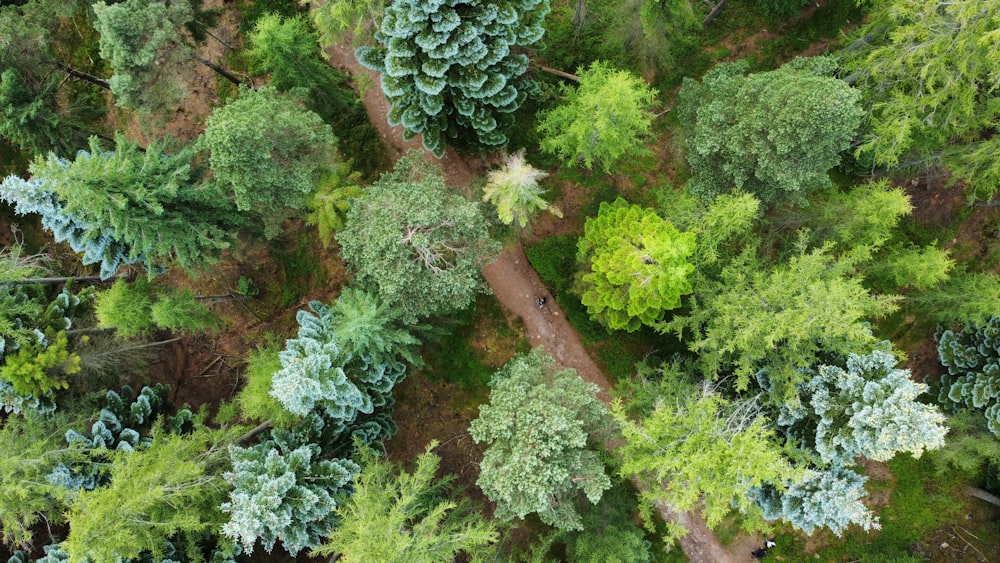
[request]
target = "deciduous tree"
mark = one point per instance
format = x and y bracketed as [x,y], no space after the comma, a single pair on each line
[774,134]
[538,429]
[416,246]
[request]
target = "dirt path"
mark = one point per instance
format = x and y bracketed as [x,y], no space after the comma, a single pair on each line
[517,286]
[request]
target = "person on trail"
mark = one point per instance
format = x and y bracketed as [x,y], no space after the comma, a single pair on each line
[541,301]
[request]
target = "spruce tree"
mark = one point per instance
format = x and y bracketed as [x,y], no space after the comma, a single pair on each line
[973,362]
[450,67]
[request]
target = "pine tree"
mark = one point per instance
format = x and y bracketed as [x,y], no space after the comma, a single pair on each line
[450,67]
[513,189]
[413,244]
[774,134]
[635,266]
[540,454]
[827,498]
[606,119]
[395,517]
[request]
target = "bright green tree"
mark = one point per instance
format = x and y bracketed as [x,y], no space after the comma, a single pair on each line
[606,119]
[269,152]
[701,452]
[930,73]
[173,486]
[398,517]
[540,454]
[136,308]
[775,134]
[513,189]
[452,68]
[414,244]
[782,319]
[339,18]
[635,265]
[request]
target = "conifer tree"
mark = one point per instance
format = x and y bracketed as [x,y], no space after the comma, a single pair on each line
[451,68]
[395,516]
[606,119]
[513,189]
[973,362]
[828,498]
[540,453]
[635,266]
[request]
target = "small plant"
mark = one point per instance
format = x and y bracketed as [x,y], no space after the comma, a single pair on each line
[246,287]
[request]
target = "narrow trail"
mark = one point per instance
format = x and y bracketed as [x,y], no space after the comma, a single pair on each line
[517,287]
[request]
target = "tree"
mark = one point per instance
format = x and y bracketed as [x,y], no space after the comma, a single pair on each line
[973,362]
[603,121]
[635,266]
[169,488]
[339,18]
[774,134]
[513,189]
[868,408]
[142,43]
[134,309]
[451,67]
[129,205]
[783,319]
[538,428]
[416,246]
[269,152]
[697,449]
[928,70]
[396,517]
[830,498]
[33,445]
[283,490]
[345,360]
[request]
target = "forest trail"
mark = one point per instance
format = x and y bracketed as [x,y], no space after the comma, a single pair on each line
[517,287]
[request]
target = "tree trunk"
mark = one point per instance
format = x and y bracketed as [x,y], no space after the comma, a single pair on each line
[225,73]
[83,75]
[714,13]
[558,73]
[261,428]
[983,495]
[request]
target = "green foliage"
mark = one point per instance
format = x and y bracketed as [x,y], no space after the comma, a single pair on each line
[397,517]
[973,362]
[928,70]
[704,452]
[169,488]
[142,42]
[971,449]
[182,312]
[32,447]
[513,189]
[830,498]
[453,67]
[337,19]
[126,307]
[152,203]
[269,152]
[39,368]
[774,134]
[553,259]
[416,246]
[635,265]
[783,318]
[964,297]
[255,400]
[610,533]
[283,490]
[868,409]
[606,119]
[538,426]
[330,202]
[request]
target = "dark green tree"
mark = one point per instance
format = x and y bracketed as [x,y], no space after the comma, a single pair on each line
[269,152]
[774,134]
[451,69]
